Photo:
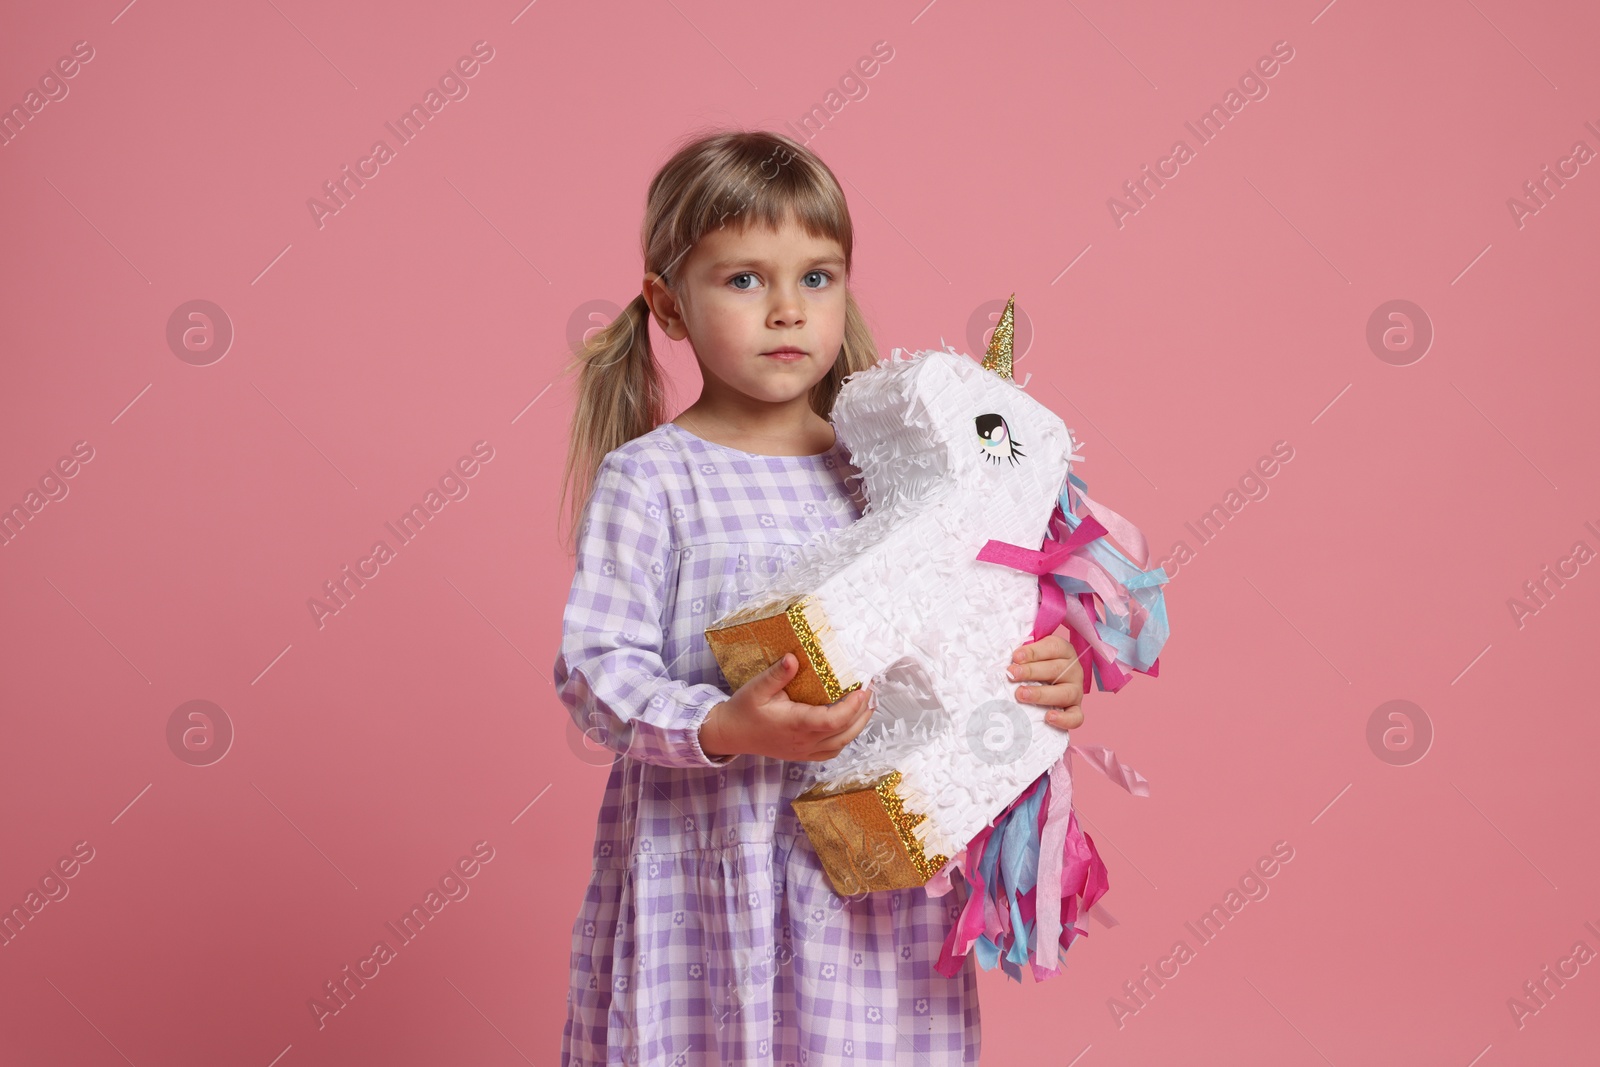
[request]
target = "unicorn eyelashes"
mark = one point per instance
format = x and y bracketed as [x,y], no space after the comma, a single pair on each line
[998,444]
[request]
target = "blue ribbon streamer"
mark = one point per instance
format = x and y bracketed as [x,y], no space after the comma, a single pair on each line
[1116,630]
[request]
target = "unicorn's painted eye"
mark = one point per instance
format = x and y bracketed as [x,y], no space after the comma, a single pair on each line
[995,435]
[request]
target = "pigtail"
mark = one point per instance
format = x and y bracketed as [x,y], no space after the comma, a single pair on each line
[621,395]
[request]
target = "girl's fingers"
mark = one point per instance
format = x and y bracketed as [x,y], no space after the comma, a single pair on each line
[825,720]
[1050,646]
[1060,696]
[1049,671]
[1065,718]
[1068,668]
[834,743]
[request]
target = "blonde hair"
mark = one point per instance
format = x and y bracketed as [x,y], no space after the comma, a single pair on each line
[737,177]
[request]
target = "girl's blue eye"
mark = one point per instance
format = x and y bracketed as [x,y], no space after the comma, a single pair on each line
[742,274]
[821,273]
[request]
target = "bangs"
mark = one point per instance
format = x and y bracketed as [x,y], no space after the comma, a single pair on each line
[753,178]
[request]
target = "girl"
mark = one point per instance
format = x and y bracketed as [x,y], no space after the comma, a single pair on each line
[709,933]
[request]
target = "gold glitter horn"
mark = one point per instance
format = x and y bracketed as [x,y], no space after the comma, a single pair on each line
[998,358]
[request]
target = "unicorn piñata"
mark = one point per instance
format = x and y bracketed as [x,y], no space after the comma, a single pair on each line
[924,597]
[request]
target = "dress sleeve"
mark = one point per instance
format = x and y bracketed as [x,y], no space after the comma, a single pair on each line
[609,672]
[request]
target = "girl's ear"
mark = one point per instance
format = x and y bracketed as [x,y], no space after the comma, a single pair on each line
[664,306]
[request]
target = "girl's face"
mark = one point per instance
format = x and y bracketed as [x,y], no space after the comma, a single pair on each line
[748,301]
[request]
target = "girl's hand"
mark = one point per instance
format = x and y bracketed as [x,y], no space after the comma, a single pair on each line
[762,721]
[1053,661]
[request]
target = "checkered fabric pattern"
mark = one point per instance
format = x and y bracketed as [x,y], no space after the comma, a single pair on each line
[709,934]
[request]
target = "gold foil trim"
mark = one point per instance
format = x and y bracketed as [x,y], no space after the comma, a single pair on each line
[759,609]
[863,837]
[752,640]
[819,661]
[904,820]
[856,842]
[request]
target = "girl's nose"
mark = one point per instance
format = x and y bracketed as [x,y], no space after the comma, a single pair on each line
[788,309]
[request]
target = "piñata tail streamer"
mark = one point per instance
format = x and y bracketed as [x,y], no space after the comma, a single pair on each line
[1033,873]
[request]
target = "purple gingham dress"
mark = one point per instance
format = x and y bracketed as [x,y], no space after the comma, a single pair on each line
[709,933]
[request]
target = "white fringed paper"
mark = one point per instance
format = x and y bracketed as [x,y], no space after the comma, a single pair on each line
[952,456]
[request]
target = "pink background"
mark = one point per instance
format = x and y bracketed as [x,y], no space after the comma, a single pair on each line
[434,311]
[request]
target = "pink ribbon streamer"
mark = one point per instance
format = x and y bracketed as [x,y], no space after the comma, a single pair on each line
[1052,844]
[1069,868]
[1060,556]
[1122,531]
[1105,761]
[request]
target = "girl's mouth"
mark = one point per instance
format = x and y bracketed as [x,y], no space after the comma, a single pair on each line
[787,355]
